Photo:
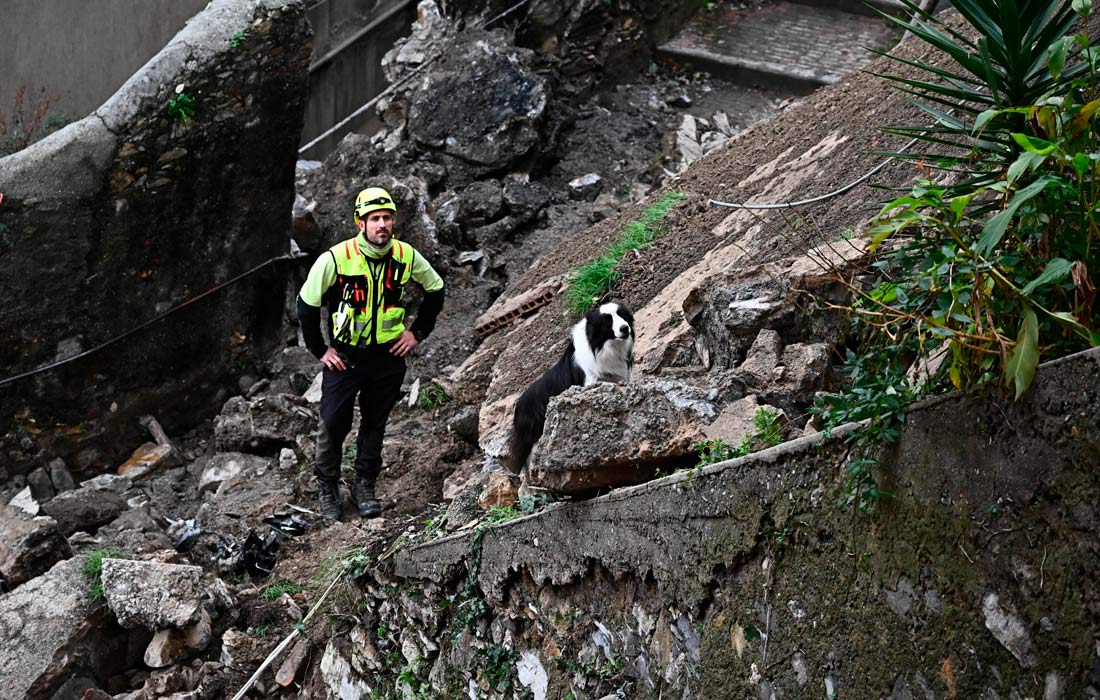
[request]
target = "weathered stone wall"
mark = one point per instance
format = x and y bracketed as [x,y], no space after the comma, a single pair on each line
[134,209]
[748,579]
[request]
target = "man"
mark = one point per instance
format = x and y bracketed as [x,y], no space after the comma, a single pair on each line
[361,281]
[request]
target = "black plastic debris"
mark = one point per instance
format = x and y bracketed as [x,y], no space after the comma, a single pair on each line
[287,523]
[258,554]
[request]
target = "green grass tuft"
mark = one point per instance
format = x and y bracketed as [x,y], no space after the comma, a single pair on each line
[589,283]
[276,590]
[93,571]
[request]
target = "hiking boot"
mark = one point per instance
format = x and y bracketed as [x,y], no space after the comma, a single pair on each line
[328,494]
[363,492]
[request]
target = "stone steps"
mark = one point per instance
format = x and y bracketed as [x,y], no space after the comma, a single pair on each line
[794,47]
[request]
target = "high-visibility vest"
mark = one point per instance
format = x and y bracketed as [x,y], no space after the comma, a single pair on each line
[367,294]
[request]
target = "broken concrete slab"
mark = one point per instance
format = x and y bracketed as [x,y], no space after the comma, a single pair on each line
[262,423]
[172,645]
[223,466]
[29,546]
[609,435]
[84,509]
[151,594]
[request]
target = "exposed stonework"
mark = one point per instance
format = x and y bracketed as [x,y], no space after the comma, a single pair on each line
[180,181]
[747,577]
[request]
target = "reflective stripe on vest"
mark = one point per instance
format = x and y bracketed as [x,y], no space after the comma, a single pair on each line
[364,292]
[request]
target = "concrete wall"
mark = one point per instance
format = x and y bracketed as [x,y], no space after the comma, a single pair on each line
[135,209]
[82,51]
[750,578]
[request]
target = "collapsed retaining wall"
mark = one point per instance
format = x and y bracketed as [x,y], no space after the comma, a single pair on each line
[747,579]
[182,180]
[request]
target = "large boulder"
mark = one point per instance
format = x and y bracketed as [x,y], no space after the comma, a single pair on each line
[84,509]
[182,180]
[262,424]
[28,546]
[610,435]
[151,594]
[492,126]
[50,632]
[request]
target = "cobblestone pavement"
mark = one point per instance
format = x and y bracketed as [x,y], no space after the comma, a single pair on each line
[781,45]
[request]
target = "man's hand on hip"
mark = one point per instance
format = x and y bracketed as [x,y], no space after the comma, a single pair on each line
[405,344]
[333,361]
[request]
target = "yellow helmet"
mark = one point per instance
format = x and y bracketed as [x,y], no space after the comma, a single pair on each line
[372,199]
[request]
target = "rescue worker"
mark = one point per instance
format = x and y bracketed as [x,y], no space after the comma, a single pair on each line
[361,281]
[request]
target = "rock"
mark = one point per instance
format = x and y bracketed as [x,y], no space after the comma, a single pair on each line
[151,594]
[172,645]
[312,395]
[464,424]
[149,457]
[288,459]
[687,141]
[609,435]
[722,123]
[479,202]
[223,466]
[25,502]
[500,491]
[762,359]
[805,367]
[109,482]
[41,487]
[135,532]
[292,665]
[586,187]
[489,127]
[477,258]
[680,101]
[427,31]
[339,677]
[304,226]
[262,423]
[464,507]
[525,199]
[712,141]
[84,509]
[1008,628]
[51,634]
[29,546]
[60,476]
[735,421]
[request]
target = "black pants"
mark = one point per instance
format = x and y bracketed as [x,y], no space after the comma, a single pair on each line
[375,377]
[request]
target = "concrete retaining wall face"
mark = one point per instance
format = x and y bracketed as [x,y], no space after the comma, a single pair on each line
[977,579]
[132,210]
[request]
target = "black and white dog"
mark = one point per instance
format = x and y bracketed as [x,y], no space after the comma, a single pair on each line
[601,349]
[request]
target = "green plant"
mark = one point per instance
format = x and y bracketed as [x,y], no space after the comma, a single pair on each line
[768,432]
[432,396]
[986,265]
[93,571]
[497,663]
[261,630]
[878,392]
[276,590]
[237,40]
[181,107]
[994,270]
[591,282]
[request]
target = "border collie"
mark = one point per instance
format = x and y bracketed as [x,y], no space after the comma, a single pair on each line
[601,349]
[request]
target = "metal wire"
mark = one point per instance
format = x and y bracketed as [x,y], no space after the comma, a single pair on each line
[158,317]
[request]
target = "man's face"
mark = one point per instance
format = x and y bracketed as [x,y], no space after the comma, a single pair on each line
[378,227]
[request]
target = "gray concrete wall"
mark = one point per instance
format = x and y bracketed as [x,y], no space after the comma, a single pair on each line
[750,578]
[82,51]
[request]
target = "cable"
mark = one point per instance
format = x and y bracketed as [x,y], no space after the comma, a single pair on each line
[158,317]
[374,100]
[828,195]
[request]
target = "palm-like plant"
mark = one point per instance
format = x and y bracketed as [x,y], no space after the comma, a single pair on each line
[997,262]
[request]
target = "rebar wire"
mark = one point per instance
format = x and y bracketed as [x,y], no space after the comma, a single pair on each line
[416,71]
[820,198]
[158,317]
